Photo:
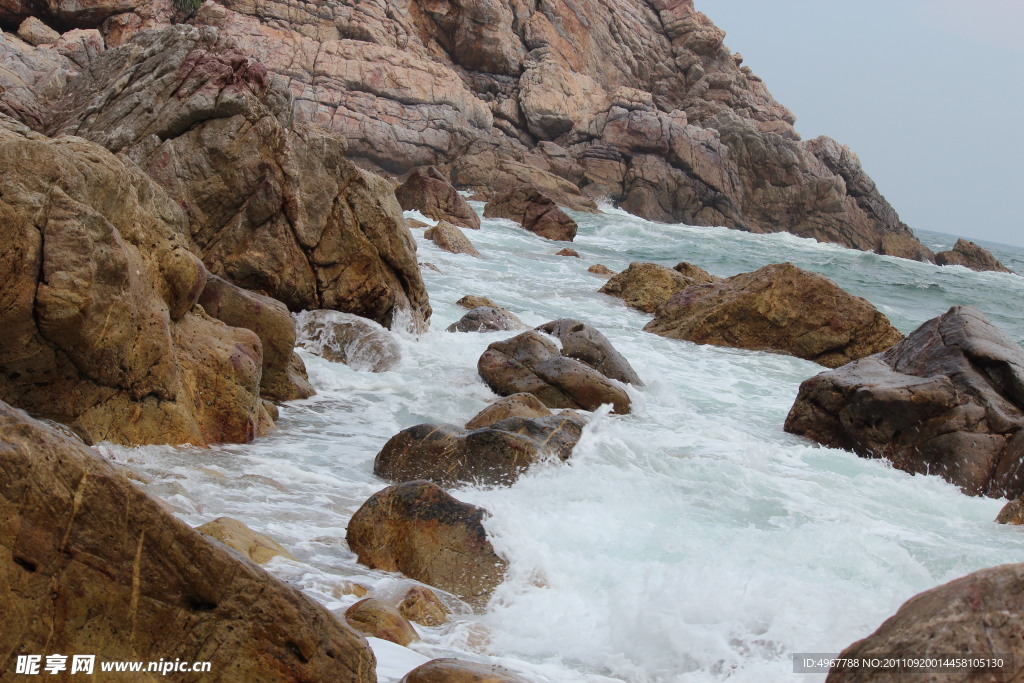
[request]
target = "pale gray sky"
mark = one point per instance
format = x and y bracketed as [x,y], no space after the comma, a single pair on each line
[928,93]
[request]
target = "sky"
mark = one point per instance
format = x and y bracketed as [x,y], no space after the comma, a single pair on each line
[928,93]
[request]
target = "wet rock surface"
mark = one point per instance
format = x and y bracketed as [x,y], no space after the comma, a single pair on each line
[516,405]
[485,319]
[645,286]
[345,338]
[588,345]
[533,210]
[451,239]
[457,671]
[428,191]
[970,255]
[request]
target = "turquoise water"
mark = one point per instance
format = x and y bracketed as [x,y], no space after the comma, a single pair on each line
[692,540]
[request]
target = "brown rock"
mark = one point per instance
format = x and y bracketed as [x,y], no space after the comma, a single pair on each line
[1012,513]
[101,327]
[94,565]
[493,455]
[413,223]
[448,237]
[645,286]
[273,205]
[427,190]
[568,252]
[35,32]
[947,400]
[972,256]
[284,375]
[345,338]
[586,344]
[420,604]
[349,588]
[695,273]
[980,615]
[516,405]
[470,301]
[778,308]
[458,671]
[532,364]
[598,269]
[258,547]
[534,211]
[418,529]
[379,619]
[485,319]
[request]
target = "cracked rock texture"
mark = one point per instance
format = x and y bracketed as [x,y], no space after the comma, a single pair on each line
[947,400]
[637,102]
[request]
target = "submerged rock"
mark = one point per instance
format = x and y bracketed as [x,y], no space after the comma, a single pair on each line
[345,338]
[531,363]
[493,455]
[448,237]
[568,252]
[645,286]
[485,319]
[947,400]
[978,616]
[972,256]
[599,269]
[94,565]
[458,671]
[258,547]
[379,619]
[428,191]
[778,308]
[419,530]
[516,405]
[533,210]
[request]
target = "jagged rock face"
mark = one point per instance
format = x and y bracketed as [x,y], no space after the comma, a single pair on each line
[101,327]
[947,400]
[272,206]
[418,529]
[981,614]
[970,255]
[640,103]
[93,565]
[778,308]
[493,455]
[427,190]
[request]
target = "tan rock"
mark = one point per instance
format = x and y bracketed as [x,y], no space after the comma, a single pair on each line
[448,237]
[533,210]
[1012,513]
[35,32]
[418,529]
[599,269]
[94,565]
[645,286]
[258,547]
[516,405]
[494,455]
[458,671]
[568,252]
[778,308]
[349,588]
[379,619]
[415,224]
[428,191]
[349,339]
[420,604]
[970,255]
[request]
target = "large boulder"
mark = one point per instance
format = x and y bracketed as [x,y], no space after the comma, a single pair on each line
[284,375]
[272,205]
[970,255]
[977,617]
[102,330]
[588,345]
[947,400]
[427,190]
[494,455]
[345,338]
[532,363]
[91,564]
[418,529]
[451,239]
[533,210]
[645,286]
[778,308]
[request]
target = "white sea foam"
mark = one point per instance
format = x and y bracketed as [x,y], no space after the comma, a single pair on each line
[690,540]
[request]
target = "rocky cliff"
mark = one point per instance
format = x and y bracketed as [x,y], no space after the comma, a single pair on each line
[637,102]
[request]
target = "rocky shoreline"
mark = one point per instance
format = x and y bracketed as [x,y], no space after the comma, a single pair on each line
[181,184]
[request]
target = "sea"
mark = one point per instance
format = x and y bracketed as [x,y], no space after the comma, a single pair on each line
[691,540]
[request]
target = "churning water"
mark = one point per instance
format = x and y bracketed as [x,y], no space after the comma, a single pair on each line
[691,540]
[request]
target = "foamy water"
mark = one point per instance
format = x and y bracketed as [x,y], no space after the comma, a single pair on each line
[690,540]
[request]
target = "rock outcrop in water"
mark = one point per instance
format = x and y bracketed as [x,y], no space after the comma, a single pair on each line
[92,565]
[589,346]
[101,327]
[978,616]
[457,671]
[485,319]
[516,405]
[639,103]
[450,238]
[427,190]
[778,308]
[947,400]
[418,529]
[645,286]
[345,338]
[494,455]
[379,619]
[533,210]
[970,255]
